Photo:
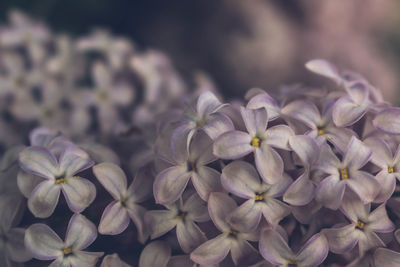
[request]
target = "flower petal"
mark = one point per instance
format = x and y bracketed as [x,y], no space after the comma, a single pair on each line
[342,239]
[80,232]
[27,182]
[364,185]
[39,161]
[304,111]
[220,206]
[269,164]
[156,253]
[85,258]
[114,219]
[196,208]
[208,103]
[15,247]
[384,257]
[201,149]
[218,124]
[232,145]
[274,248]
[256,120]
[213,251]
[357,154]
[301,191]
[112,177]
[306,148]
[243,253]
[381,153]
[43,242]
[189,235]
[378,220]
[367,241]
[324,68]
[141,187]
[330,192]
[314,252]
[388,120]
[206,180]
[170,184]
[240,178]
[274,210]
[73,160]
[44,199]
[387,182]
[346,112]
[160,221]
[246,217]
[113,260]
[266,101]
[137,213]
[79,193]
[278,136]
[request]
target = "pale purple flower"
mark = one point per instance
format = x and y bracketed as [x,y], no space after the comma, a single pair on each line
[183,216]
[346,172]
[117,214]
[188,165]
[206,117]
[258,139]
[59,174]
[274,248]
[362,228]
[220,206]
[241,179]
[113,260]
[12,248]
[388,160]
[45,244]
[322,127]
[302,191]
[156,253]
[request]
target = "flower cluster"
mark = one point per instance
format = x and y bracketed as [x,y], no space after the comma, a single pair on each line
[305,178]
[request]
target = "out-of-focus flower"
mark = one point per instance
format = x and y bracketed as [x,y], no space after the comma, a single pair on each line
[59,176]
[12,247]
[45,244]
[117,215]
[113,260]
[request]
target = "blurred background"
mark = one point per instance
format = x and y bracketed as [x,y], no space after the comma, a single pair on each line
[244,44]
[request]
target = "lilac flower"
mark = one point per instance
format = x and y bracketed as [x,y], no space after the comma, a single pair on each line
[117,214]
[260,140]
[322,127]
[182,216]
[206,117]
[303,190]
[274,248]
[45,244]
[241,179]
[188,165]
[156,253]
[362,228]
[346,173]
[113,260]
[388,161]
[220,206]
[12,247]
[59,176]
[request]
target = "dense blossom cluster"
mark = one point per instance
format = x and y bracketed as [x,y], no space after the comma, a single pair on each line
[306,178]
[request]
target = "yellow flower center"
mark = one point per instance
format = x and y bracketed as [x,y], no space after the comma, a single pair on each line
[291,262]
[67,251]
[259,197]
[255,142]
[60,179]
[201,123]
[321,130]
[344,174]
[390,169]
[182,215]
[360,225]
